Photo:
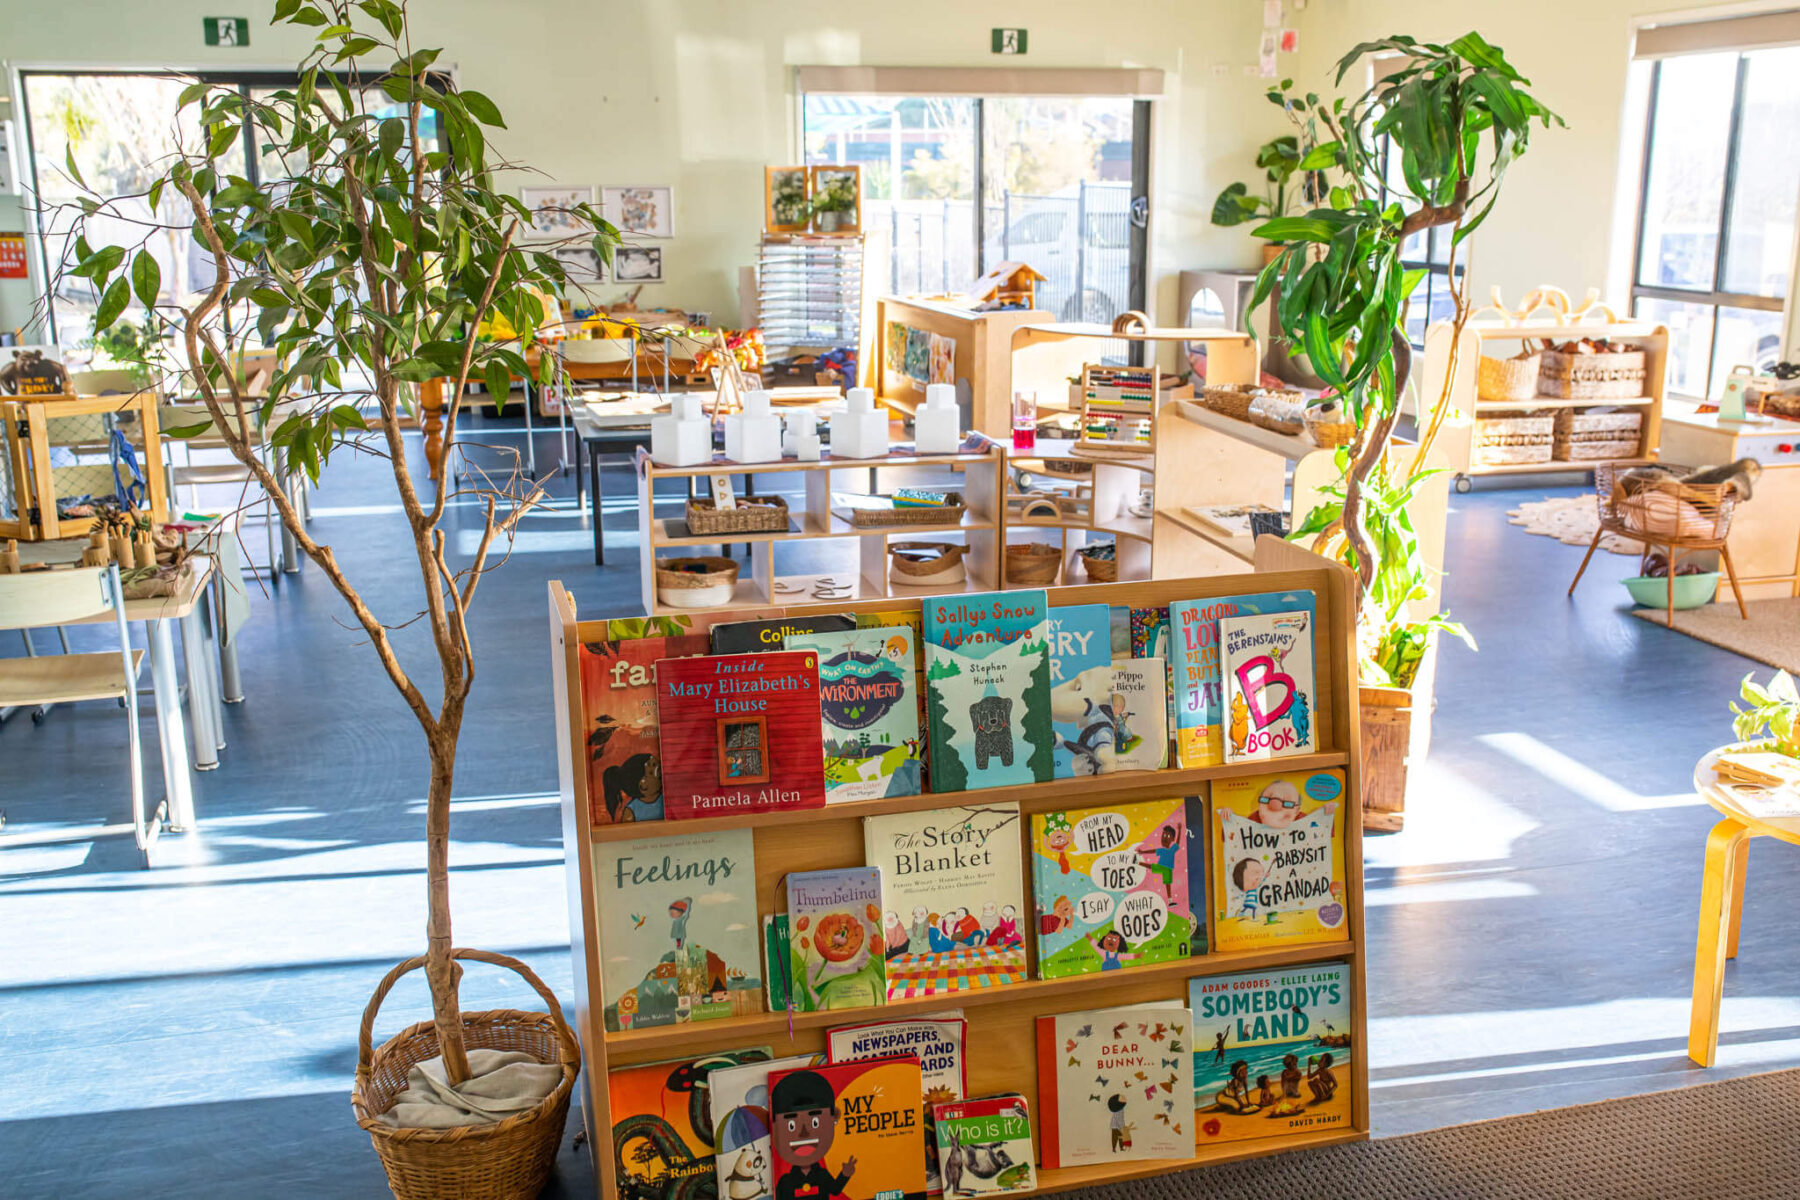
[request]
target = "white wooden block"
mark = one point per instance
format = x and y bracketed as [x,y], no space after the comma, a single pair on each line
[679,442]
[935,426]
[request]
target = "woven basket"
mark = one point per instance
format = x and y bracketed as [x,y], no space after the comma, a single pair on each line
[914,563]
[673,580]
[948,513]
[1032,562]
[1100,570]
[753,514]
[1232,399]
[1514,438]
[1508,378]
[1595,435]
[1328,426]
[1592,376]
[509,1159]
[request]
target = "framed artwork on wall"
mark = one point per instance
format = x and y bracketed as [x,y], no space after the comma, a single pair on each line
[551,210]
[649,211]
[785,200]
[582,264]
[836,199]
[638,264]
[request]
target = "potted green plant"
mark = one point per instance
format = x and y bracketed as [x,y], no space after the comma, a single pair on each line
[834,202]
[1773,714]
[367,261]
[1281,159]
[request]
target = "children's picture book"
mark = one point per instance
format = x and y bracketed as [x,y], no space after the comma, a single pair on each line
[851,1130]
[984,1146]
[744,1159]
[618,697]
[1115,1084]
[1270,698]
[834,934]
[1278,860]
[740,733]
[662,1131]
[1110,886]
[1081,688]
[778,962]
[869,712]
[678,937]
[1150,638]
[1140,711]
[761,637]
[1199,832]
[952,898]
[1272,1051]
[936,1041]
[1198,688]
[987,672]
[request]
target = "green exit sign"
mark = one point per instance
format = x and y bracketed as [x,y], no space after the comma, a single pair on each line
[1009,41]
[226,31]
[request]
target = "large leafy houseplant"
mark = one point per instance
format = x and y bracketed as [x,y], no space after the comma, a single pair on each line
[363,262]
[1427,145]
[1280,158]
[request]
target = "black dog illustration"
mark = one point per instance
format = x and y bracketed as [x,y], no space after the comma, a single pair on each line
[992,718]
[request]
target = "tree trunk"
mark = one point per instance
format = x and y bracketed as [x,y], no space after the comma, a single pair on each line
[441,971]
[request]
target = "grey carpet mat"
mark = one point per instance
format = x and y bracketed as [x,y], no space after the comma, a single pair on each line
[1737,1139]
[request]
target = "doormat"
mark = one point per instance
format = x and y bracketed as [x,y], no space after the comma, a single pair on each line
[1570,520]
[1771,635]
[1734,1138]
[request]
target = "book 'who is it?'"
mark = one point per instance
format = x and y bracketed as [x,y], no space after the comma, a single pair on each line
[984,1146]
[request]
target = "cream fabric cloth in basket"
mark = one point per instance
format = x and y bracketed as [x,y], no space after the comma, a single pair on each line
[500,1083]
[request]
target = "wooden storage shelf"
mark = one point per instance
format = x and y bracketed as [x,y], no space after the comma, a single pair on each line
[1290,446]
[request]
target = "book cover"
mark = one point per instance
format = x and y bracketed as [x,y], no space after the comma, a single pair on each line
[1140,710]
[1150,638]
[778,962]
[1278,860]
[1198,688]
[1272,1051]
[761,637]
[984,1146]
[618,698]
[850,1130]
[834,931]
[680,624]
[1115,1084]
[1199,831]
[1081,688]
[869,712]
[744,1158]
[1270,697]
[740,733]
[1111,887]
[937,1042]
[987,672]
[952,895]
[662,1131]
[677,928]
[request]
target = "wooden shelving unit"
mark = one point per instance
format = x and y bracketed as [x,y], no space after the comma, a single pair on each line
[980,367]
[1001,1046]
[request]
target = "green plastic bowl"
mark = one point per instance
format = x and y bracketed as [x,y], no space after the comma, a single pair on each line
[1691,591]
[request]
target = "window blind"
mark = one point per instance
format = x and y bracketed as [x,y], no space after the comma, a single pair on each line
[1753,32]
[982,81]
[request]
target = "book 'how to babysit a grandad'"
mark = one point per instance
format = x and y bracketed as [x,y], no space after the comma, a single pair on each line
[1081,688]
[834,938]
[1115,1084]
[662,1130]
[987,672]
[1278,860]
[849,1130]
[984,1146]
[740,733]
[1270,700]
[869,712]
[1272,1051]
[1197,679]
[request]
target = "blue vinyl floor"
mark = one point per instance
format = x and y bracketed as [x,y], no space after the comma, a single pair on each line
[166,1032]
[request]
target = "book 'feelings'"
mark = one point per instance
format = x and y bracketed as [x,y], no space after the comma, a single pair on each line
[852,1130]
[1198,689]
[834,935]
[1111,886]
[1278,860]
[677,928]
[984,1146]
[662,1131]
[1081,688]
[740,733]
[618,693]
[1272,1051]
[1270,700]
[987,672]
[869,712]
[1114,1084]
[952,898]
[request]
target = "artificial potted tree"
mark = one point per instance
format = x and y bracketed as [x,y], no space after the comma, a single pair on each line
[1455,115]
[366,266]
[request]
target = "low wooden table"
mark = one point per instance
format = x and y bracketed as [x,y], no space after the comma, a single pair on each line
[1722,902]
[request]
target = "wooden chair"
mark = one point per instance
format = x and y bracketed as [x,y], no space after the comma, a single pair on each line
[1679,518]
[34,599]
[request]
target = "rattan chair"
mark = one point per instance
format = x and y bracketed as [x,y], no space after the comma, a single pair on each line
[1679,518]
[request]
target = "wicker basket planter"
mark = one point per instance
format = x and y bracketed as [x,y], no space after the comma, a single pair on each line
[1592,376]
[1510,379]
[1032,562]
[1596,435]
[1514,438]
[1100,570]
[926,564]
[695,582]
[752,514]
[877,512]
[508,1160]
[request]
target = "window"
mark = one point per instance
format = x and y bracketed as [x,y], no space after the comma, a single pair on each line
[1715,234]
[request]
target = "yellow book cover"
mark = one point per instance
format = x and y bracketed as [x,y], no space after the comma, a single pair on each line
[1278,860]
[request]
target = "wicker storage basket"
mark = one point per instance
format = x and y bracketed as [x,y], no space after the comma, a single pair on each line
[1232,399]
[509,1159]
[1591,376]
[1100,570]
[695,582]
[1507,378]
[1032,562]
[1329,426]
[1596,434]
[919,564]
[875,517]
[752,514]
[1514,438]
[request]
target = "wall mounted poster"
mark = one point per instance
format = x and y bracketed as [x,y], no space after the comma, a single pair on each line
[894,356]
[1278,860]
[638,264]
[987,680]
[1272,1051]
[918,356]
[943,359]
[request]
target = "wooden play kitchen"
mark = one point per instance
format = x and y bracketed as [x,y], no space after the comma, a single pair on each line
[1002,1030]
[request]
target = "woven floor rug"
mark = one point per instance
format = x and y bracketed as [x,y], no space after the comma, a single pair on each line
[1735,1139]
[1570,520]
[1771,635]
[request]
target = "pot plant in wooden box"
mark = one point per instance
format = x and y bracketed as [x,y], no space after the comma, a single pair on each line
[364,261]
[1456,116]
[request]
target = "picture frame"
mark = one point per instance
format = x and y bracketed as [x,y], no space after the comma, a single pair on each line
[549,205]
[841,181]
[648,210]
[786,192]
[637,264]
[582,264]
